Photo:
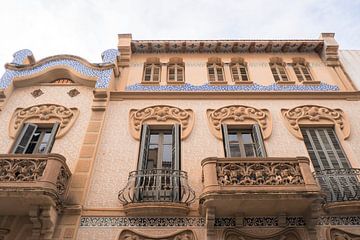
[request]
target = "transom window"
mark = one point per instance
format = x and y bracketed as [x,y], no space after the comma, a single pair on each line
[34,139]
[176,73]
[151,73]
[279,72]
[215,72]
[239,142]
[239,72]
[302,72]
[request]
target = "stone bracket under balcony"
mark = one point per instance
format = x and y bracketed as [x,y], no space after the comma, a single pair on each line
[258,186]
[28,180]
[157,192]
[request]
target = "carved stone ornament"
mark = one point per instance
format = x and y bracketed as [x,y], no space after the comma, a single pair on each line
[37,93]
[315,115]
[260,234]
[239,115]
[161,115]
[180,235]
[73,92]
[21,170]
[337,234]
[44,113]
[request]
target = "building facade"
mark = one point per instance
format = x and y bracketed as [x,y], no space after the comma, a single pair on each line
[182,139]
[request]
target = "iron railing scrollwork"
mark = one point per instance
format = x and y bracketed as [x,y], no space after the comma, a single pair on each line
[339,184]
[157,185]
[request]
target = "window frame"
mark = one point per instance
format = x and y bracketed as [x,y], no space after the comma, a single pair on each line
[215,67]
[238,67]
[176,67]
[300,67]
[276,67]
[152,67]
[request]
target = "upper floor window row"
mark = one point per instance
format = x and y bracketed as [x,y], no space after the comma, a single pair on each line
[216,70]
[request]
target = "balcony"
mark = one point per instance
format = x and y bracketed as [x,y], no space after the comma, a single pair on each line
[157,192]
[258,186]
[341,188]
[28,180]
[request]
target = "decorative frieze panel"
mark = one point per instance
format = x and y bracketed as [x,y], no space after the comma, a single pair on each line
[44,113]
[161,115]
[62,181]
[21,169]
[179,235]
[337,234]
[339,220]
[287,234]
[259,174]
[313,115]
[239,114]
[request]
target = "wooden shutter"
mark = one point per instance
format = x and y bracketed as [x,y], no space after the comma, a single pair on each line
[225,133]
[144,146]
[52,137]
[24,138]
[259,142]
[176,131]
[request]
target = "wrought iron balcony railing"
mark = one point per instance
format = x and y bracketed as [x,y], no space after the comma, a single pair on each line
[157,185]
[339,184]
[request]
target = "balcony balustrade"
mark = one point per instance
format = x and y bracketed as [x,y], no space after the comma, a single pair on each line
[158,192]
[28,180]
[258,186]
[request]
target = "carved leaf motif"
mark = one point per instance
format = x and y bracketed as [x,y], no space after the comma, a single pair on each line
[337,234]
[131,235]
[21,169]
[161,114]
[44,113]
[238,114]
[62,180]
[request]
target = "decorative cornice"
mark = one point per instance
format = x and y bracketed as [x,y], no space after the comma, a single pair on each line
[225,46]
[239,114]
[44,113]
[24,66]
[160,115]
[246,88]
[315,115]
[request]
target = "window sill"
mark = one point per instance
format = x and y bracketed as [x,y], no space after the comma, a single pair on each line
[311,82]
[244,82]
[286,82]
[175,83]
[150,83]
[218,83]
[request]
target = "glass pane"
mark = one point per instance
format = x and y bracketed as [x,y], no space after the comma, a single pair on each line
[167,156]
[42,148]
[249,150]
[154,138]
[152,156]
[46,137]
[31,147]
[247,138]
[235,150]
[168,138]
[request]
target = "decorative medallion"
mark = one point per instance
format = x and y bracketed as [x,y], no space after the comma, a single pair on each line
[73,92]
[239,114]
[180,235]
[44,113]
[314,114]
[161,115]
[37,93]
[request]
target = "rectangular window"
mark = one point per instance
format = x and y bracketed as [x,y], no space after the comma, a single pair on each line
[240,142]
[35,140]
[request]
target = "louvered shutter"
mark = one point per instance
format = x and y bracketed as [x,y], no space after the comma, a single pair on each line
[225,134]
[143,149]
[52,137]
[259,142]
[24,138]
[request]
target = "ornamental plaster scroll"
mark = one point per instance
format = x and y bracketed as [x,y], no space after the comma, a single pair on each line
[161,115]
[337,234]
[313,115]
[179,235]
[260,233]
[43,114]
[239,115]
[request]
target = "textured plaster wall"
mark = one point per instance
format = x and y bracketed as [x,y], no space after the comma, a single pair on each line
[118,152]
[68,145]
[258,67]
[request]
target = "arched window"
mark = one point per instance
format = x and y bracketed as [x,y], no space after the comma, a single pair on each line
[152,70]
[176,71]
[278,70]
[215,70]
[301,70]
[239,70]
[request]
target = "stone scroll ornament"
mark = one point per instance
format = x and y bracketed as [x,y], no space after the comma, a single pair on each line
[180,235]
[313,114]
[337,234]
[44,113]
[239,114]
[161,115]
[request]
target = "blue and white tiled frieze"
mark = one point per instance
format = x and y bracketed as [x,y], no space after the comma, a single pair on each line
[225,88]
[103,76]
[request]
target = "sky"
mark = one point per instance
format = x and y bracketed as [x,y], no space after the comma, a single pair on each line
[88,27]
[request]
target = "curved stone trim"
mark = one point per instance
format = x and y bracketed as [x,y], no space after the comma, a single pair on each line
[239,114]
[20,68]
[259,233]
[44,113]
[161,115]
[315,115]
[178,235]
[337,234]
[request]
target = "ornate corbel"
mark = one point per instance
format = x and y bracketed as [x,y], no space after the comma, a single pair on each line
[161,115]
[43,114]
[315,115]
[239,114]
